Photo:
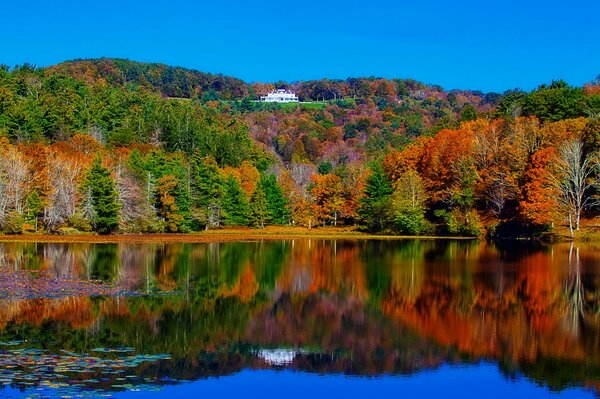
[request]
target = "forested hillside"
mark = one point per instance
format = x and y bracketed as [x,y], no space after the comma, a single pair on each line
[112,145]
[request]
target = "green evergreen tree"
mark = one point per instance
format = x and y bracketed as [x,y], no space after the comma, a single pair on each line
[34,209]
[259,212]
[378,190]
[235,203]
[277,204]
[161,165]
[101,187]
[207,190]
[136,164]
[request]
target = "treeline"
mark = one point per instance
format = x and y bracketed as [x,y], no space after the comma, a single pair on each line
[500,177]
[78,185]
[95,145]
[167,80]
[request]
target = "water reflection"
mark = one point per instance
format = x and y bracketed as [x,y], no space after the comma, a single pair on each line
[364,308]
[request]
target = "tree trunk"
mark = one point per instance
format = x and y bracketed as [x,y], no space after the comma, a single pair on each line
[571,224]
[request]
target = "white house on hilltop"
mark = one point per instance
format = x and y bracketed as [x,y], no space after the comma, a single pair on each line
[280,96]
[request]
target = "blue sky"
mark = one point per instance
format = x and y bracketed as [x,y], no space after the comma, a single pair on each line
[484,45]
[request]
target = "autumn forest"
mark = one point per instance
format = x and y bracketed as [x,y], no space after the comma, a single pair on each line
[116,146]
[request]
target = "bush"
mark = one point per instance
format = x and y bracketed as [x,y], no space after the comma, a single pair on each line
[79,222]
[143,225]
[409,223]
[28,228]
[458,223]
[13,224]
[67,231]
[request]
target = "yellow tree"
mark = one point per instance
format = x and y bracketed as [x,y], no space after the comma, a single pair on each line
[327,191]
[168,209]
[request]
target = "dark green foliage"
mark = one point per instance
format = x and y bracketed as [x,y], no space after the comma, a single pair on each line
[259,212]
[468,113]
[34,209]
[409,221]
[510,103]
[373,205]
[459,223]
[324,168]
[207,190]
[413,124]
[352,130]
[101,187]
[552,102]
[235,204]
[159,165]
[555,102]
[104,262]
[277,204]
[54,105]
[136,164]
[169,81]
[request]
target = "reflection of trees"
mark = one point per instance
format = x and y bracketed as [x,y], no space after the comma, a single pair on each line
[574,293]
[269,260]
[20,256]
[105,263]
[363,307]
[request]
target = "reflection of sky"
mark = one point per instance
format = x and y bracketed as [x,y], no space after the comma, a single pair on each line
[480,381]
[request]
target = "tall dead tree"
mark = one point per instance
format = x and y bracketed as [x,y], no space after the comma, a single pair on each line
[574,180]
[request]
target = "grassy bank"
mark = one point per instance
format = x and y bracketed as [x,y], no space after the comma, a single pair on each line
[589,232]
[220,235]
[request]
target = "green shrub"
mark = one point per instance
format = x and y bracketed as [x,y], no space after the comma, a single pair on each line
[458,223]
[79,222]
[13,224]
[409,222]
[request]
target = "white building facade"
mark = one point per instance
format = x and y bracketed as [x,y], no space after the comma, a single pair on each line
[280,96]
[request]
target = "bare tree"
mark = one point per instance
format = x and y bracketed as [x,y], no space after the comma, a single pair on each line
[130,194]
[63,176]
[14,182]
[574,180]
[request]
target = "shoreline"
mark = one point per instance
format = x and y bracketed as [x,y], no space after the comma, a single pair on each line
[222,235]
[273,233]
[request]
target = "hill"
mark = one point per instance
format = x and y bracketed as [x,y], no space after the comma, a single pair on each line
[189,150]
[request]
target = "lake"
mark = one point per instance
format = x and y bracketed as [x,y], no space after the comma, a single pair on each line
[298,318]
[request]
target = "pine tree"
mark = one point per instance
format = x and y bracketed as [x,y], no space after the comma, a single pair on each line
[101,187]
[378,190]
[207,189]
[277,204]
[34,208]
[259,212]
[235,203]
[170,171]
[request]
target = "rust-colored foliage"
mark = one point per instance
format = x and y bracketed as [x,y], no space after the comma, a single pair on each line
[396,163]
[327,192]
[537,205]
[246,175]
[442,158]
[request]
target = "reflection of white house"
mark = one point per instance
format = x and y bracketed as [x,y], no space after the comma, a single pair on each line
[279,356]
[280,96]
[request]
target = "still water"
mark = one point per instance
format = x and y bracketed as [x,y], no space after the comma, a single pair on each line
[300,318]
